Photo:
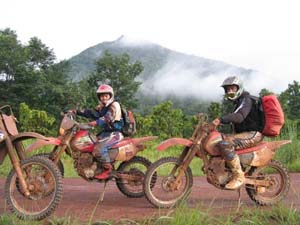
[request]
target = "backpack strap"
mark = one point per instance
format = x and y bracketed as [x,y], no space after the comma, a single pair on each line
[118,110]
[258,102]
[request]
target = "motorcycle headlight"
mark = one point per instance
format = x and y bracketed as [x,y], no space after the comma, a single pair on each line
[61,131]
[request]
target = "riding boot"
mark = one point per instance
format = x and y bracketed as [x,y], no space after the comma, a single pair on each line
[106,172]
[238,177]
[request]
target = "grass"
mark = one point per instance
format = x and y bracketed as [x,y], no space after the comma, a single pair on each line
[277,215]
[288,154]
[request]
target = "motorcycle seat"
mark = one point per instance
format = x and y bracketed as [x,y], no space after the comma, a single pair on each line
[123,142]
[257,147]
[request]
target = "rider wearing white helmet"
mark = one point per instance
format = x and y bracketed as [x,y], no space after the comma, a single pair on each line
[107,115]
[247,127]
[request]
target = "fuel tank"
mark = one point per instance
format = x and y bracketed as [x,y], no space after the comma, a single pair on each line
[210,143]
[83,141]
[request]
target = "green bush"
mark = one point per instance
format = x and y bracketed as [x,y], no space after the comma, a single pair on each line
[35,120]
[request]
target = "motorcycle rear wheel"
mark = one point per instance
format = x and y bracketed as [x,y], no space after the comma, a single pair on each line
[136,166]
[45,186]
[277,175]
[160,193]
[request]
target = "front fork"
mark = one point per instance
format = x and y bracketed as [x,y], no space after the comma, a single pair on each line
[15,160]
[184,161]
[16,164]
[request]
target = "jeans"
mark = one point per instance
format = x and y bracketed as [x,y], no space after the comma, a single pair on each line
[107,140]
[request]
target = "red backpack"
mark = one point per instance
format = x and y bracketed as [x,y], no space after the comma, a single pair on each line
[274,117]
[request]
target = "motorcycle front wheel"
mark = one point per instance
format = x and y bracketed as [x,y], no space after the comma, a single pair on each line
[164,193]
[44,182]
[277,178]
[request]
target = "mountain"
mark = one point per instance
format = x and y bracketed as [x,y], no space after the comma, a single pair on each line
[166,72]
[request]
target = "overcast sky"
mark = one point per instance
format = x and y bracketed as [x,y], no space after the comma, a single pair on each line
[257,34]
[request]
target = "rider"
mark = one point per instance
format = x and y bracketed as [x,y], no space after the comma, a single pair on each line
[247,127]
[108,116]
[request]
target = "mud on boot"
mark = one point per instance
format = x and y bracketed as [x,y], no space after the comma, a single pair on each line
[238,177]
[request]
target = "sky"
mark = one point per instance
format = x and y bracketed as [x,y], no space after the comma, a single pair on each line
[257,34]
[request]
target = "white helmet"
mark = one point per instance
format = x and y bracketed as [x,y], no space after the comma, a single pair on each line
[233,80]
[105,89]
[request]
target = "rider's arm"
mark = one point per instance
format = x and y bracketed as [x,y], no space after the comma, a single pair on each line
[240,113]
[88,113]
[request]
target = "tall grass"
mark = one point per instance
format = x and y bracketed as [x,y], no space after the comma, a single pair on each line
[289,154]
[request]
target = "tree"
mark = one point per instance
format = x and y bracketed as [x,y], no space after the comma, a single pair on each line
[35,120]
[290,100]
[166,121]
[28,73]
[265,92]
[214,110]
[120,73]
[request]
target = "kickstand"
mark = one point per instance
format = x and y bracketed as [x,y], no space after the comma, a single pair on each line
[239,200]
[103,192]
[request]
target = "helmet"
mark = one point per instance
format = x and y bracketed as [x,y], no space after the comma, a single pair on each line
[105,89]
[233,80]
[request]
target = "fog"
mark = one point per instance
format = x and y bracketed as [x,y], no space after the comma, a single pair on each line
[176,79]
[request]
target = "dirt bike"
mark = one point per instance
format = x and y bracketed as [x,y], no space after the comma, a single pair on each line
[78,142]
[267,180]
[33,188]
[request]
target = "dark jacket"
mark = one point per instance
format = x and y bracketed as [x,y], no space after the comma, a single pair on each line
[246,115]
[105,117]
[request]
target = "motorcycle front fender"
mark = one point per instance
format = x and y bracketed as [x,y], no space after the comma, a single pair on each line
[172,142]
[43,142]
[26,135]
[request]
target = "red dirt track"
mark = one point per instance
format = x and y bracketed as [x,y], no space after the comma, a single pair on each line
[80,199]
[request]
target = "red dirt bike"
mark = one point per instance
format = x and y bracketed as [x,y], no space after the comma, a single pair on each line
[33,188]
[76,140]
[267,180]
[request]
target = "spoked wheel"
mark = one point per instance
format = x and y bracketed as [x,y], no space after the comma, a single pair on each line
[276,186]
[60,165]
[44,183]
[134,170]
[165,193]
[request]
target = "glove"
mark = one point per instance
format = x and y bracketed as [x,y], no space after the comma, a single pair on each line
[93,123]
[72,111]
[216,122]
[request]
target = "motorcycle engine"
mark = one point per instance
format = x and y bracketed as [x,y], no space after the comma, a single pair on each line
[217,173]
[84,164]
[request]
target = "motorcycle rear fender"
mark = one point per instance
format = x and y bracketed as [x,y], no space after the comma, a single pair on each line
[172,142]
[263,152]
[43,142]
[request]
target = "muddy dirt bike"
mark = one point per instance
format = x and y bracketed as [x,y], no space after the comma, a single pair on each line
[76,141]
[33,188]
[267,180]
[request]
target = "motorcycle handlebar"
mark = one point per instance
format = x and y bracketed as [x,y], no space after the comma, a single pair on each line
[85,126]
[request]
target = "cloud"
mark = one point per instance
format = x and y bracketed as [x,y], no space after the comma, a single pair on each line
[176,79]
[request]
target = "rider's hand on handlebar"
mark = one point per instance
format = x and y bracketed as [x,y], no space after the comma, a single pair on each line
[216,122]
[93,123]
[73,111]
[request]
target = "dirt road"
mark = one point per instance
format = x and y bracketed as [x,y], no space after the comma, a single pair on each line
[80,199]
